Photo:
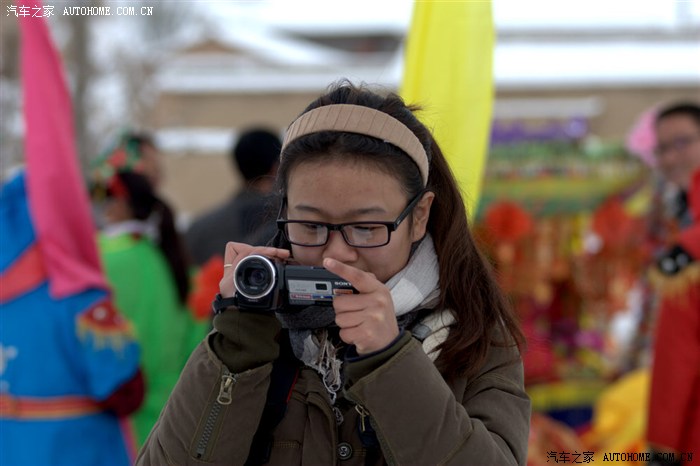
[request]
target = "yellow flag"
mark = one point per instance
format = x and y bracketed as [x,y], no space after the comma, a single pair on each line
[448,72]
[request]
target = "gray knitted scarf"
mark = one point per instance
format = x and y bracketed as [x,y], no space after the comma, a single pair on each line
[415,287]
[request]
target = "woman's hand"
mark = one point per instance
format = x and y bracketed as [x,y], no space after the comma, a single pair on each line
[235,252]
[366,320]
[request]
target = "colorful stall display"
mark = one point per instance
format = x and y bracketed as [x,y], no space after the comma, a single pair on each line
[562,220]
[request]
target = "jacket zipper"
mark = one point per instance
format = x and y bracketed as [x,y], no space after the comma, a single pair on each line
[223,399]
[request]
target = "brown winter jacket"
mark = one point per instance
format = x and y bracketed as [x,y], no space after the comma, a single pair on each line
[419,419]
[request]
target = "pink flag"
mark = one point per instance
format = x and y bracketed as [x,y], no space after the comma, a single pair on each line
[58,198]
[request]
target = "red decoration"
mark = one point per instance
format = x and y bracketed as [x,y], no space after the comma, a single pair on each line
[613,224]
[104,318]
[22,276]
[104,326]
[206,286]
[508,222]
[118,188]
[118,158]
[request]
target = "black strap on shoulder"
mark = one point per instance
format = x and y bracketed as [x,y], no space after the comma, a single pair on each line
[368,437]
[285,370]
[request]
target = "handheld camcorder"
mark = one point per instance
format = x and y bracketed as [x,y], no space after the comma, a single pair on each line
[264,285]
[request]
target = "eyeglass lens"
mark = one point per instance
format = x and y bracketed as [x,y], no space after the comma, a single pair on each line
[678,144]
[311,234]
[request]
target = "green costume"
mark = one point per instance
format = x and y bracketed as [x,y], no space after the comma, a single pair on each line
[145,293]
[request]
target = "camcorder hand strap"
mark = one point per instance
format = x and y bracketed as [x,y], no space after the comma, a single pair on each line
[220,304]
[285,370]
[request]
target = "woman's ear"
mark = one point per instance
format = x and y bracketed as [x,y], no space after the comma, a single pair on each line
[421,214]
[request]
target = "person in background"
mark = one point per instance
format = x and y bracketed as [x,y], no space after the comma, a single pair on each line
[69,366]
[131,150]
[421,365]
[144,262]
[246,215]
[677,152]
[667,139]
[674,401]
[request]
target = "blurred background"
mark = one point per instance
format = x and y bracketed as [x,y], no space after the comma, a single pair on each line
[566,189]
[195,73]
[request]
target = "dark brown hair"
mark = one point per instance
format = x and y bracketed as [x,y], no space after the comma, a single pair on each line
[143,203]
[467,285]
[689,109]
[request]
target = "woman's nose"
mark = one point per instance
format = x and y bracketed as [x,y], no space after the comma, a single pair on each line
[336,248]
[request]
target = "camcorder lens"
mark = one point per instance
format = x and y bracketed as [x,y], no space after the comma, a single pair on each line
[256,277]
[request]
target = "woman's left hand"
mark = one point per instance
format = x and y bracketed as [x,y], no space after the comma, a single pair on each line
[366,320]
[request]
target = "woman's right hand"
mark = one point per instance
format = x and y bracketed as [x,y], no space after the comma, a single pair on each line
[235,252]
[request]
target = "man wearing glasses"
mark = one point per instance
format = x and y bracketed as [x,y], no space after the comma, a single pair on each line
[674,402]
[678,151]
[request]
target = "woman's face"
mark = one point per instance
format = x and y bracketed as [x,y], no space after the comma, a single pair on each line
[336,192]
[116,210]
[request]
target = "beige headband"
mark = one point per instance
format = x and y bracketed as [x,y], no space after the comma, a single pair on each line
[361,120]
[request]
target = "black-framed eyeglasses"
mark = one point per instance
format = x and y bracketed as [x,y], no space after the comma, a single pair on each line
[678,144]
[355,234]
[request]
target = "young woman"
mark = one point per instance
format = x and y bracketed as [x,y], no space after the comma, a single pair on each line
[145,266]
[421,366]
